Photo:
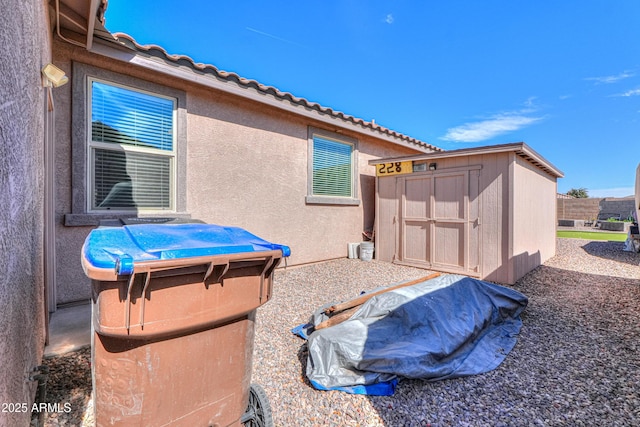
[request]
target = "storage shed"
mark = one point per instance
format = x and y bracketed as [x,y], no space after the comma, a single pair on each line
[487,212]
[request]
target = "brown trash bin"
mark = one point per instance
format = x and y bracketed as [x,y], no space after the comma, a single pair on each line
[173,328]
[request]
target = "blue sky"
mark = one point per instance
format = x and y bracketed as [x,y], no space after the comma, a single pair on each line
[564,77]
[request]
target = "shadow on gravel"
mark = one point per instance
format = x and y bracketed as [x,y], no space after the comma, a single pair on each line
[576,363]
[303,354]
[612,251]
[68,387]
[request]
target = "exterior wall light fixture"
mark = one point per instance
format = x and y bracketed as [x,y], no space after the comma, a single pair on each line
[53,76]
[433,166]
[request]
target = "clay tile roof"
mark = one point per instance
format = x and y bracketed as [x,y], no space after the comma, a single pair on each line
[159,52]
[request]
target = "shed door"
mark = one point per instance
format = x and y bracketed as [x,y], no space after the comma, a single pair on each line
[439,221]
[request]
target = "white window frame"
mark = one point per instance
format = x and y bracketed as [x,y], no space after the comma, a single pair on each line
[342,139]
[126,148]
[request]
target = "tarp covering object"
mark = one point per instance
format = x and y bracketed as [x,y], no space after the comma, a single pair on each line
[446,327]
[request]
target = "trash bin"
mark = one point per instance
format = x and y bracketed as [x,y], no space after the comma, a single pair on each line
[173,323]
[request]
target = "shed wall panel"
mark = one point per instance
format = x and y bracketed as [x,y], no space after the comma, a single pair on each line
[510,214]
[387,206]
[438,216]
[474,256]
[416,250]
[449,253]
[450,200]
[494,216]
[415,218]
[534,230]
[416,192]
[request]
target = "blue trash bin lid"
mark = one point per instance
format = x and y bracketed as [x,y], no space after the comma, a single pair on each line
[120,247]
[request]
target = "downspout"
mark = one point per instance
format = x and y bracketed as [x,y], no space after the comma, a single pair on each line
[49,159]
[40,373]
[49,208]
[50,259]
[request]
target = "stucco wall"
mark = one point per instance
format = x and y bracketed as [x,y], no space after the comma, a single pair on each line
[246,166]
[25,48]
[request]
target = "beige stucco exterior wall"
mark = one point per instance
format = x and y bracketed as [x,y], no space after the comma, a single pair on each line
[246,166]
[534,218]
[25,49]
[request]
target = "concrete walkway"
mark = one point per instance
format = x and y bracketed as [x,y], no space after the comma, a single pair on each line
[69,329]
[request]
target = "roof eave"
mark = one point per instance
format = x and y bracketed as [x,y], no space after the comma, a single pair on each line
[155,58]
[79,20]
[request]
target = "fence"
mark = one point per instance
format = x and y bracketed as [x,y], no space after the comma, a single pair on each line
[590,209]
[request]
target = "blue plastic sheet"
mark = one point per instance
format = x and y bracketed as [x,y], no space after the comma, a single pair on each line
[447,327]
[120,247]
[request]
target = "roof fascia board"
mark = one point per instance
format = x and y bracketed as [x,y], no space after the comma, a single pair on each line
[536,158]
[519,148]
[124,54]
[91,21]
[454,153]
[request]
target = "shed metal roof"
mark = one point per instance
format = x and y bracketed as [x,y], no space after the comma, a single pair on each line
[519,148]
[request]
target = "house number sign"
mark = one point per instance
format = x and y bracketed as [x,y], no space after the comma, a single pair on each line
[396,168]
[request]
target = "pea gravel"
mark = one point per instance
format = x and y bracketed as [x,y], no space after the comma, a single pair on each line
[576,363]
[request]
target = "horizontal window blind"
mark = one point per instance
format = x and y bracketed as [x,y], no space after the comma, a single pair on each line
[125,116]
[132,150]
[130,180]
[332,168]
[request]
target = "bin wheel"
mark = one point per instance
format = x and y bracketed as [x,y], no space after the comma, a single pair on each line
[258,412]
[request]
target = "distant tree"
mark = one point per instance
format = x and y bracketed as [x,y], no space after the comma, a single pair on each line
[578,193]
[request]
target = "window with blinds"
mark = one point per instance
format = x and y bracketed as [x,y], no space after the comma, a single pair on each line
[332,168]
[131,148]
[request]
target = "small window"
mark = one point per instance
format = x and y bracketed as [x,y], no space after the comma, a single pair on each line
[131,151]
[332,168]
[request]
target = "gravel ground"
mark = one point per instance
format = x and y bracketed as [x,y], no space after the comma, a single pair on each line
[576,363]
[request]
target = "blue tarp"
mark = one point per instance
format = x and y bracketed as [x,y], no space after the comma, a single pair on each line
[120,247]
[447,327]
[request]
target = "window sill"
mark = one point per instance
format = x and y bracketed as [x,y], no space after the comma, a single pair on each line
[93,219]
[326,200]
